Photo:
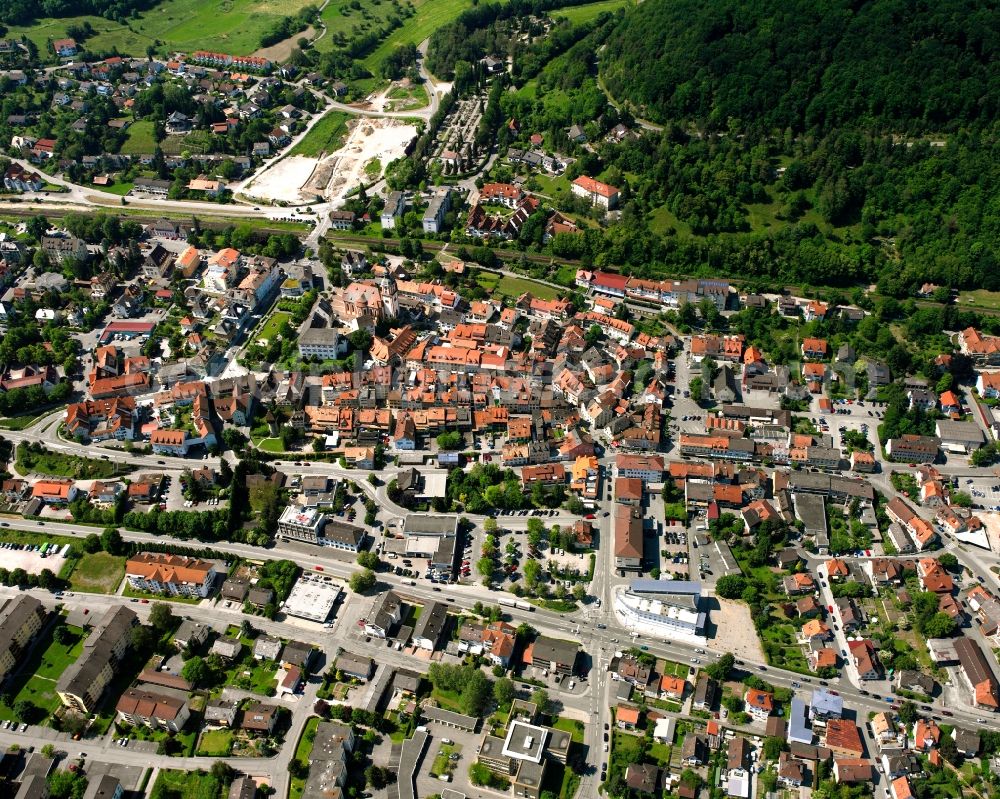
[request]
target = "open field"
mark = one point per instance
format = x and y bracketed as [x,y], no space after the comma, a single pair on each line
[98,573]
[383,140]
[229,26]
[734,626]
[282,180]
[326,136]
[431,15]
[343,20]
[581,14]
[515,286]
[980,298]
[140,138]
[109,35]
[60,465]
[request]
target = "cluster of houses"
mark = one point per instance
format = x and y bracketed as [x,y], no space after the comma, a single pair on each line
[233,86]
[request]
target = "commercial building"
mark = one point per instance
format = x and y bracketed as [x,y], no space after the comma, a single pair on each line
[668,607]
[312,598]
[301,524]
[959,437]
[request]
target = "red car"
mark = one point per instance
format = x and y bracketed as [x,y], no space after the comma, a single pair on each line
[318,568]
[590,516]
[830,608]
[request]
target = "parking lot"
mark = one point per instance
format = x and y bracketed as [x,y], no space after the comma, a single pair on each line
[30,558]
[985,491]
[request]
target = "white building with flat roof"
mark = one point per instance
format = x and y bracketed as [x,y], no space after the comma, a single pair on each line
[301,524]
[666,608]
[312,598]
[525,742]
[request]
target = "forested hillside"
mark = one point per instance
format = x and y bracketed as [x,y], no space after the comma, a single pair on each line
[18,12]
[809,64]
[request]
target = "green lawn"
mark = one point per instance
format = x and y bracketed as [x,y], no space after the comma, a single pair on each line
[507,286]
[270,445]
[98,573]
[661,220]
[59,465]
[573,727]
[302,751]
[326,136]
[119,189]
[446,699]
[272,326]
[19,422]
[173,784]
[215,743]
[36,681]
[552,185]
[140,138]
[591,11]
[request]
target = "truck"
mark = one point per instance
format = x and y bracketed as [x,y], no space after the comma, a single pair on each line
[520,604]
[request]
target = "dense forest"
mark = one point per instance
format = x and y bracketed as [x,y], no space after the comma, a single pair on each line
[19,12]
[890,65]
[849,147]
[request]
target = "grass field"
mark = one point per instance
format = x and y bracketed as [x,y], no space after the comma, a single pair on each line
[43,668]
[109,35]
[215,743]
[140,138]
[60,465]
[581,14]
[118,189]
[326,136]
[515,286]
[980,298]
[98,573]
[341,19]
[431,15]
[229,26]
